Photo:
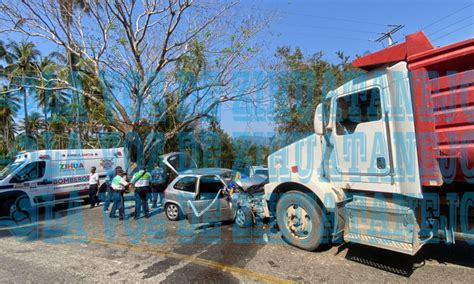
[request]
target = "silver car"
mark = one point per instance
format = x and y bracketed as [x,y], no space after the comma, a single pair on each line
[200,195]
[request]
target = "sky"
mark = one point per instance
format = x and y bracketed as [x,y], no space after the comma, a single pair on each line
[348,26]
[331,26]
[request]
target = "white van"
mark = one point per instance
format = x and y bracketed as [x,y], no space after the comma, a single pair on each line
[39,178]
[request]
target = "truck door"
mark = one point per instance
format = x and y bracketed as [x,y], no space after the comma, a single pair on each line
[360,134]
[211,204]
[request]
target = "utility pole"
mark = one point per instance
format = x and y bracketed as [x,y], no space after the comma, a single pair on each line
[389,34]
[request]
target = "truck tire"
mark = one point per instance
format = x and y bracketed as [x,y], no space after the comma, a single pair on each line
[173,212]
[243,217]
[301,220]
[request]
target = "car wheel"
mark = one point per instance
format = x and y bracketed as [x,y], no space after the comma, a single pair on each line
[23,210]
[173,213]
[243,217]
[301,220]
[8,207]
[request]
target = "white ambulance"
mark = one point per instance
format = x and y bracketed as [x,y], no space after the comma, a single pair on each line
[40,178]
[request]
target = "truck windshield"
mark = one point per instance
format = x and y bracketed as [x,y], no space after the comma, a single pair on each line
[10,168]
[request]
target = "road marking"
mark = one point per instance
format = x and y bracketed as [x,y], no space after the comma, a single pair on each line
[193,259]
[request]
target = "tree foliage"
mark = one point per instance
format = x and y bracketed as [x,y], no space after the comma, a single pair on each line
[132,56]
[303,82]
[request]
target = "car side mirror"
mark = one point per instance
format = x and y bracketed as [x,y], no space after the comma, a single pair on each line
[319,120]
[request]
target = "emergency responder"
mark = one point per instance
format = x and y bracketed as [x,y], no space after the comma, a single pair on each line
[93,186]
[110,174]
[158,183]
[119,185]
[141,181]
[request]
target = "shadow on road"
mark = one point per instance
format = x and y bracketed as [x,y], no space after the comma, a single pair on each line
[38,223]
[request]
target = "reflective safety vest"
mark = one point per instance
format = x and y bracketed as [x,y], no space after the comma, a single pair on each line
[119,183]
[141,179]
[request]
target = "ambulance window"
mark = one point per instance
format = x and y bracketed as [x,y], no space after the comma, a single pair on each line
[10,169]
[357,108]
[30,172]
[187,184]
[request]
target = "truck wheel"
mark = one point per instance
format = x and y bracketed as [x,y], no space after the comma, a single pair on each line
[173,213]
[300,220]
[243,217]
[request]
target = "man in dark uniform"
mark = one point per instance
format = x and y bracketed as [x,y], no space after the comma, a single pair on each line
[158,184]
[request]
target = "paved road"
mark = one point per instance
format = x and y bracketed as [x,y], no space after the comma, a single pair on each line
[83,244]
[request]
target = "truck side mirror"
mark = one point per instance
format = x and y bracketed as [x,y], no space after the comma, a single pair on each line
[319,120]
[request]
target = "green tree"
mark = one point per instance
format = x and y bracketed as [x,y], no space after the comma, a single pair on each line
[303,82]
[138,48]
[47,71]
[9,105]
[35,124]
[21,68]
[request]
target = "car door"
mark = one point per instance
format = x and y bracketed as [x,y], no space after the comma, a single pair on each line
[31,179]
[211,204]
[183,190]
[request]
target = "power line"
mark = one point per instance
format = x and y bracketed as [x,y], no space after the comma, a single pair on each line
[445,17]
[453,31]
[332,28]
[345,20]
[327,36]
[321,17]
[452,24]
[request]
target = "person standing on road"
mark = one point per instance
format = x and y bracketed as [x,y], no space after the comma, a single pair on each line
[141,181]
[119,185]
[110,174]
[157,183]
[93,186]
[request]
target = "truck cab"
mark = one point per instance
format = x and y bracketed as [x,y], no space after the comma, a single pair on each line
[375,170]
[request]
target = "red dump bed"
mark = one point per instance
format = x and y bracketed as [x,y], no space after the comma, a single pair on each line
[442,86]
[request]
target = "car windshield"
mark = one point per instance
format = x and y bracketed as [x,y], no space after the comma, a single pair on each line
[262,172]
[229,176]
[10,168]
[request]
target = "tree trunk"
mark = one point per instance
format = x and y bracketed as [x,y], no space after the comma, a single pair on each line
[46,116]
[25,108]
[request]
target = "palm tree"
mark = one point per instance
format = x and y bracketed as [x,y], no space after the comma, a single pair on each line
[9,105]
[48,70]
[34,123]
[3,52]
[21,59]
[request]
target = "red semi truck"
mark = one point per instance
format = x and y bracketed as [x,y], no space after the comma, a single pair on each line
[391,163]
